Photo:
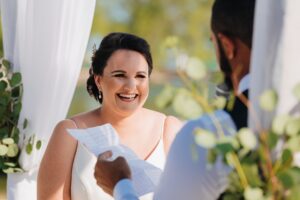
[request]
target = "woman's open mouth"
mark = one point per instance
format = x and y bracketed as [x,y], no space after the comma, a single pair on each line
[127,97]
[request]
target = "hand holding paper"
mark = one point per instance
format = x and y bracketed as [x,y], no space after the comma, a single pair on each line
[109,173]
[103,138]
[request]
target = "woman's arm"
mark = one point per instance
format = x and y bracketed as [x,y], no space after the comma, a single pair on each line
[54,177]
[171,127]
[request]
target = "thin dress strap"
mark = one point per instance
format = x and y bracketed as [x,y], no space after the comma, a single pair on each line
[74,122]
[157,155]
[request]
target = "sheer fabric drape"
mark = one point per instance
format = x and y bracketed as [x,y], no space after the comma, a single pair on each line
[275,57]
[46,41]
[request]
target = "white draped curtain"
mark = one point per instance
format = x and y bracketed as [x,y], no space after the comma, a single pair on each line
[275,60]
[46,41]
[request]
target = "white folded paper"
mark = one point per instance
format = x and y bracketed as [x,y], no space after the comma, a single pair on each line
[145,176]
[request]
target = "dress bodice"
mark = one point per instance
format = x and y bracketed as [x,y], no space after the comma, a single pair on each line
[83,183]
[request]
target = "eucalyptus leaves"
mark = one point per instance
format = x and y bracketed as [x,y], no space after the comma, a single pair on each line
[11,89]
[194,96]
[263,165]
[10,107]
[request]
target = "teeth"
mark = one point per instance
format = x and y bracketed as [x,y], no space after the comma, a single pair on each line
[127,95]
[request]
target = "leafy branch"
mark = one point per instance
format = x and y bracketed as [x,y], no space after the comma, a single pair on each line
[263,162]
[11,91]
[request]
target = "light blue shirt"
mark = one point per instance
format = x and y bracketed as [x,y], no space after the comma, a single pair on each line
[124,190]
[186,174]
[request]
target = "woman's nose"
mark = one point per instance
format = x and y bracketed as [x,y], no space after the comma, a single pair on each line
[130,84]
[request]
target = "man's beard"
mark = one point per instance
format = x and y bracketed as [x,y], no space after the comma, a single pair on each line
[225,67]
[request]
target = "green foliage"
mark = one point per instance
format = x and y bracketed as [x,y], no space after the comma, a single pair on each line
[219,102]
[195,69]
[293,127]
[193,96]
[265,176]
[262,163]
[10,107]
[253,194]
[185,104]
[38,144]
[11,90]
[32,143]
[258,174]
[247,138]
[204,138]
[164,99]
[279,124]
[268,100]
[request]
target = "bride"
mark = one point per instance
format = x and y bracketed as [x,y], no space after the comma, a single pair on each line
[119,80]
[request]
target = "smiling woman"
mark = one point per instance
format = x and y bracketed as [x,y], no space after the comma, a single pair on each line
[124,83]
[119,81]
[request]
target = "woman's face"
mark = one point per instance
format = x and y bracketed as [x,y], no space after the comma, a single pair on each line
[125,82]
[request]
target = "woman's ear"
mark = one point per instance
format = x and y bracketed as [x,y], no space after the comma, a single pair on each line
[97,79]
[228,45]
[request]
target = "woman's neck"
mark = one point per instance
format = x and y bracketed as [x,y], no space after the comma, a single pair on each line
[125,126]
[118,120]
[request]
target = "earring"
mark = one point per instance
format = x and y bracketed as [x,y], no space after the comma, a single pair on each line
[100,94]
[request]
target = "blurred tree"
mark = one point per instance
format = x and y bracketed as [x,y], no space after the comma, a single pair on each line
[155,20]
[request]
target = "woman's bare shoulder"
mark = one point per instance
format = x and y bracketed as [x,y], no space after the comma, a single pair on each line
[64,124]
[172,123]
[83,115]
[60,135]
[61,141]
[171,127]
[82,120]
[169,121]
[55,169]
[153,113]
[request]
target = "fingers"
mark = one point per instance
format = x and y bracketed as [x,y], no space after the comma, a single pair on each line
[120,159]
[122,164]
[105,186]
[107,190]
[105,155]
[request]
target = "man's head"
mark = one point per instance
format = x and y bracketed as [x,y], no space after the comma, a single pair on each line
[232,28]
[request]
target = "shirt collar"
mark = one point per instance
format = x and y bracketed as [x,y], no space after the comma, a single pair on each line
[244,84]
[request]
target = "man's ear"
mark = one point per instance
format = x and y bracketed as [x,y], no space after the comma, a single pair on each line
[97,79]
[228,45]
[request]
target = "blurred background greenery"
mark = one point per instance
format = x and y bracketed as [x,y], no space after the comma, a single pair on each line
[184,22]
[156,21]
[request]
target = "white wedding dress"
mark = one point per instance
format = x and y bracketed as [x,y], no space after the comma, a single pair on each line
[83,183]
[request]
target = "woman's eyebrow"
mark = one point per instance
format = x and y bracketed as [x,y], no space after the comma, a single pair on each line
[142,72]
[118,72]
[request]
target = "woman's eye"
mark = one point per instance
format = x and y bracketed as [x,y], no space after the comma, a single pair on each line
[141,76]
[119,75]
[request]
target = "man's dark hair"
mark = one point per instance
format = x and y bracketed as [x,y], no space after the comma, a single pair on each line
[234,18]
